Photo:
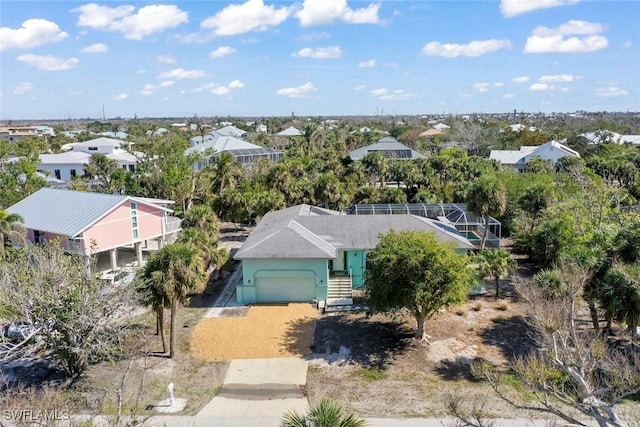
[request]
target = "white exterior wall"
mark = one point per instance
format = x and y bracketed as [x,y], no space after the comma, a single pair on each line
[65,170]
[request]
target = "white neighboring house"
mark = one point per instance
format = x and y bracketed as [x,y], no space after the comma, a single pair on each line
[66,166]
[518,159]
[244,152]
[607,136]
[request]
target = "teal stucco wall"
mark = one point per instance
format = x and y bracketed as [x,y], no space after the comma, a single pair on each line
[252,268]
[356,265]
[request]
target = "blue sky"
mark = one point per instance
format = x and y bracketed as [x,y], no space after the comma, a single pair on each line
[66,59]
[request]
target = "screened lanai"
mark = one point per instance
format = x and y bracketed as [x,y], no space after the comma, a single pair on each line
[246,156]
[450,214]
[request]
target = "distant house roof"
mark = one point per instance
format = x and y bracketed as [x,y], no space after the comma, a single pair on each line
[290,131]
[98,142]
[527,152]
[432,132]
[310,232]
[600,136]
[219,143]
[68,212]
[231,131]
[441,126]
[389,147]
[68,158]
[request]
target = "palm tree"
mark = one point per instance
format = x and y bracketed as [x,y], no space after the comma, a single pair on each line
[100,167]
[11,228]
[202,217]
[327,413]
[212,256]
[495,263]
[487,198]
[152,294]
[620,296]
[226,169]
[171,275]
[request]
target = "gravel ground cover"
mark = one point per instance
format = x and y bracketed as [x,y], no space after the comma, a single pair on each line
[266,331]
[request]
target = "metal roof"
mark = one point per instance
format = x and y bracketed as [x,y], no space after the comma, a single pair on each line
[389,147]
[68,212]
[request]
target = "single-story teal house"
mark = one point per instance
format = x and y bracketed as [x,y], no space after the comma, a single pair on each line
[307,253]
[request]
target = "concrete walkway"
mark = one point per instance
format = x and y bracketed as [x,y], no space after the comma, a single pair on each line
[260,388]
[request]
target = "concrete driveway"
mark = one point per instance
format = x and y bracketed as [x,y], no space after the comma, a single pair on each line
[260,388]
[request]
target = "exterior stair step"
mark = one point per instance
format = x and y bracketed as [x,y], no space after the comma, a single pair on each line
[339,301]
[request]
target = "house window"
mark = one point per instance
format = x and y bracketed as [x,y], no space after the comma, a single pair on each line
[56,172]
[132,168]
[134,220]
[73,173]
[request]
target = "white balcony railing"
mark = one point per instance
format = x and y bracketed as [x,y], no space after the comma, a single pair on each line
[172,224]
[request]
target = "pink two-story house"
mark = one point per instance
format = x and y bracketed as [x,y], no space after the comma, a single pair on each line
[87,223]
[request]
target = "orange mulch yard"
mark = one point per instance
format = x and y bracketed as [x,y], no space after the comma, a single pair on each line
[267,331]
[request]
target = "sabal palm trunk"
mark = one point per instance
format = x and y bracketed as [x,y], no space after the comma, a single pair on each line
[172,331]
[160,324]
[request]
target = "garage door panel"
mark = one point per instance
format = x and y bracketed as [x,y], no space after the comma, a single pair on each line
[285,289]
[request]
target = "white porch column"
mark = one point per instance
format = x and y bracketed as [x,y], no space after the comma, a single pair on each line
[113,254]
[138,248]
[160,241]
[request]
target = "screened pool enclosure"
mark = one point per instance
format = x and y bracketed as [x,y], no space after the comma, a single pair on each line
[453,215]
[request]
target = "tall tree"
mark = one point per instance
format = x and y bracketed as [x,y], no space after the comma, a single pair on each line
[487,198]
[179,272]
[621,296]
[495,263]
[11,229]
[413,270]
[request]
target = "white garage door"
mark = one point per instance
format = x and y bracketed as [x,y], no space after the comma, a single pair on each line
[285,289]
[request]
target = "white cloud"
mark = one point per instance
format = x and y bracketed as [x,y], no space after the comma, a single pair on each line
[141,71]
[181,73]
[331,52]
[324,12]
[48,62]
[95,48]
[611,91]
[218,89]
[510,8]
[367,64]
[498,84]
[148,89]
[311,37]
[627,45]
[509,95]
[558,78]
[385,94]
[121,97]
[134,26]
[540,87]
[252,15]
[361,87]
[571,37]
[302,91]
[520,79]
[33,33]
[167,83]
[472,49]
[481,87]
[22,88]
[221,51]
[165,59]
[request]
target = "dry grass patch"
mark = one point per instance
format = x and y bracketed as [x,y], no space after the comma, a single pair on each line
[267,331]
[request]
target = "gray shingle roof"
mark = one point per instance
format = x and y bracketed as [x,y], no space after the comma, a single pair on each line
[306,232]
[67,212]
